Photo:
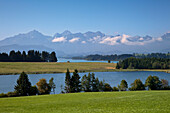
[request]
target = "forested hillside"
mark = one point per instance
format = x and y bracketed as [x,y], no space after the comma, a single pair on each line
[123,56]
[144,63]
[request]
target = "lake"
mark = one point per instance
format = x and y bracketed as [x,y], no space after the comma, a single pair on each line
[7,82]
[77,60]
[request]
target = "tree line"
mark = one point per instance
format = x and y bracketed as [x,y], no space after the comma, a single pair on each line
[88,83]
[116,57]
[30,56]
[144,63]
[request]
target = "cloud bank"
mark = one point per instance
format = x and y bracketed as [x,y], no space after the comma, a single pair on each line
[60,39]
[74,40]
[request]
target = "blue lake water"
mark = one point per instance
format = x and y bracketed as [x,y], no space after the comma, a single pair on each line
[7,82]
[77,60]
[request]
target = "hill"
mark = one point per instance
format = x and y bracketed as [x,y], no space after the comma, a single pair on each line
[99,102]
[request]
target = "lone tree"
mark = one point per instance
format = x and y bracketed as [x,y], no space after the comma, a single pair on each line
[137,85]
[23,85]
[153,83]
[123,85]
[52,85]
[43,86]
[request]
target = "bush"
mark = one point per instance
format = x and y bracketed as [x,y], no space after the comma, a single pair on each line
[107,87]
[166,88]
[43,87]
[137,85]
[115,89]
[123,85]
[3,95]
[153,83]
[33,90]
[12,94]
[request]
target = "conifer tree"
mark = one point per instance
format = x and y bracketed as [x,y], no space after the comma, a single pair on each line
[23,85]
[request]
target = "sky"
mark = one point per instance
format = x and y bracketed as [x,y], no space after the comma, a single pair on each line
[131,17]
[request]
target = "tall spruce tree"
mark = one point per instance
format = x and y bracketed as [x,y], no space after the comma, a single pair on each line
[23,85]
[68,82]
[75,82]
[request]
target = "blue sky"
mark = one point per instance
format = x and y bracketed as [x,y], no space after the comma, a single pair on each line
[132,17]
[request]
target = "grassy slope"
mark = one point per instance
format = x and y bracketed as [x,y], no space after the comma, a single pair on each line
[107,102]
[52,67]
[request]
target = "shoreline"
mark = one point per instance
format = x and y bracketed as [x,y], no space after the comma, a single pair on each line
[84,71]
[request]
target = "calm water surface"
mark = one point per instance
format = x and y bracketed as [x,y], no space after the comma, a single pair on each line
[72,60]
[7,82]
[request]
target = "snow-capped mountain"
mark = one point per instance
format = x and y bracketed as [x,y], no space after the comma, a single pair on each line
[86,43]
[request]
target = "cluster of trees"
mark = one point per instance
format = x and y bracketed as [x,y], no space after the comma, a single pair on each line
[90,83]
[124,56]
[24,87]
[153,55]
[152,83]
[31,56]
[145,63]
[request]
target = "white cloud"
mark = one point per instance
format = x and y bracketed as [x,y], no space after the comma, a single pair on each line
[95,39]
[60,39]
[137,42]
[74,40]
[110,40]
[83,42]
[159,39]
[141,38]
[125,39]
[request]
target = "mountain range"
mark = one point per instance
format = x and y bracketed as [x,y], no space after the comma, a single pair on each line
[78,44]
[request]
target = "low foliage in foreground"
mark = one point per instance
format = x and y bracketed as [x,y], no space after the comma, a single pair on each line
[91,102]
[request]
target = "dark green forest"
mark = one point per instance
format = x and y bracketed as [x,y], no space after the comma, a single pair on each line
[116,57]
[144,63]
[30,56]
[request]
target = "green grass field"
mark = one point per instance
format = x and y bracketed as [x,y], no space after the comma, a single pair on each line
[99,102]
[52,67]
[7,68]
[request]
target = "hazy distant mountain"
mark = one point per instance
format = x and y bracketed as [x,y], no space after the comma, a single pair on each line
[72,44]
[31,38]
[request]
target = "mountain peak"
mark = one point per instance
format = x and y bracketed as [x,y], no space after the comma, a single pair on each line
[34,32]
[66,32]
[166,35]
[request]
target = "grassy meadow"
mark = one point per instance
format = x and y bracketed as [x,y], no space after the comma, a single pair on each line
[94,102]
[52,67]
[7,68]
